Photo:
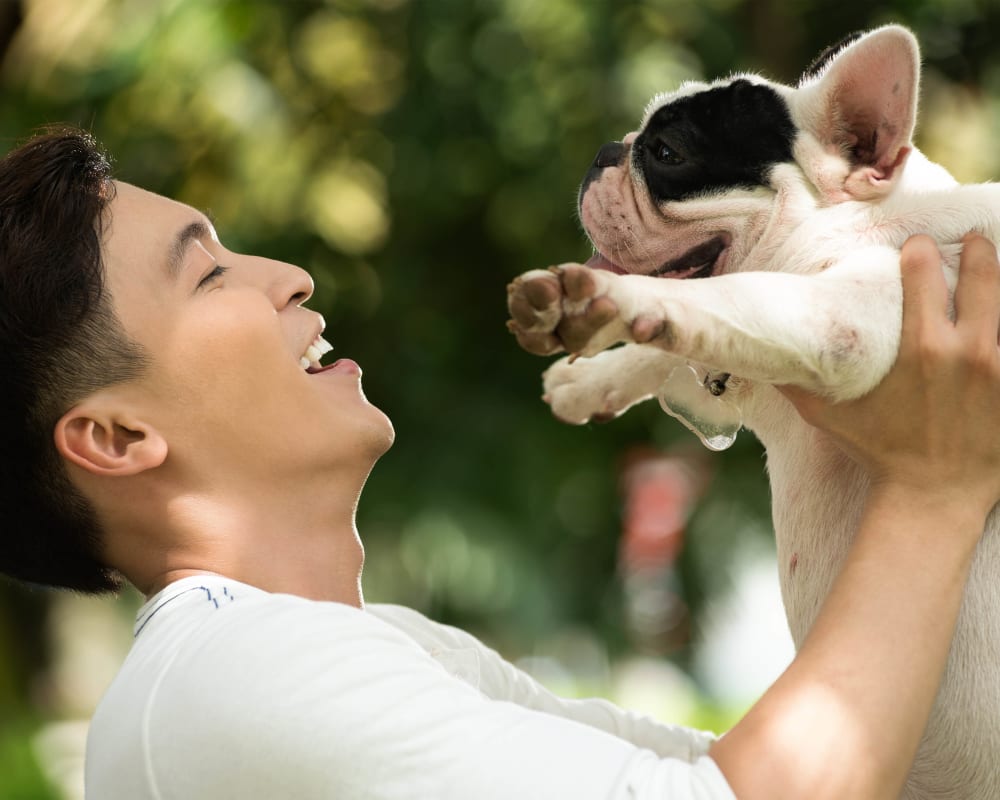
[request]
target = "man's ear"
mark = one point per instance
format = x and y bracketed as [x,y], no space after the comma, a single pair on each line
[103,441]
[856,115]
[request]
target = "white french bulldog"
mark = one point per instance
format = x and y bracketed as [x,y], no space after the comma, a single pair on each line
[791,204]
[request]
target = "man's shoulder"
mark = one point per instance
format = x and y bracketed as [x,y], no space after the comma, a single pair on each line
[223,642]
[214,615]
[426,632]
[310,683]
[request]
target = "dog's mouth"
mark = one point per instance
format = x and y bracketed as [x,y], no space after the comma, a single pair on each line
[700,261]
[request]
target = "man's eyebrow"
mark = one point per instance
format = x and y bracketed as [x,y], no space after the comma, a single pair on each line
[189,233]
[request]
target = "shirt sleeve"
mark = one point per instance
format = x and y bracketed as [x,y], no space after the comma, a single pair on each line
[498,679]
[288,698]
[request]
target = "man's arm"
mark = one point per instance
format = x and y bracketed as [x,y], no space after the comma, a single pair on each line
[847,716]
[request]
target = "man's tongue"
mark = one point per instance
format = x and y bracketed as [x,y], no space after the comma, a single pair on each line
[597,261]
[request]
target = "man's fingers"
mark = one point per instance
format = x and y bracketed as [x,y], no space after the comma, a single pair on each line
[925,293]
[977,296]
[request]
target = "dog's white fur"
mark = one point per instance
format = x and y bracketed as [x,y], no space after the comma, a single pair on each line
[809,295]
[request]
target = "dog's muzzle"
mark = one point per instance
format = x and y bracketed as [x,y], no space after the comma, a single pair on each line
[610,155]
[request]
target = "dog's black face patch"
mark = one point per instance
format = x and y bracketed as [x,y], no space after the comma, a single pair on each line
[722,138]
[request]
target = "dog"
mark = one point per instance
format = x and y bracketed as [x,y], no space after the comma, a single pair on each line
[779,213]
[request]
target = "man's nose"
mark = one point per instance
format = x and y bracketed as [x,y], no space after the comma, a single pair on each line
[286,284]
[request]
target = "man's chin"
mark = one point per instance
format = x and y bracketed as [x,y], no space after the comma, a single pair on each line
[388,438]
[383,434]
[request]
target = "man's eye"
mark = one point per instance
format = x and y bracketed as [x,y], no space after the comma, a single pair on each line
[665,154]
[217,272]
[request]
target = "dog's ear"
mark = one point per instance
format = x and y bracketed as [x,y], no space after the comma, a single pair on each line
[855,112]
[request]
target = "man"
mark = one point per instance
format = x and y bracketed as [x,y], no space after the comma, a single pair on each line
[169,423]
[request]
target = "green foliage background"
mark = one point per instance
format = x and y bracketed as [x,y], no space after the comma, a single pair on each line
[415,155]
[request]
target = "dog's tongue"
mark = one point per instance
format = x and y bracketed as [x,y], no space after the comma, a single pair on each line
[597,261]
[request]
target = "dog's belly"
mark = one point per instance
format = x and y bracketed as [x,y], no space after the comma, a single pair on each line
[958,757]
[817,501]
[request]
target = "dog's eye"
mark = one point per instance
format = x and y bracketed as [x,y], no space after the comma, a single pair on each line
[665,154]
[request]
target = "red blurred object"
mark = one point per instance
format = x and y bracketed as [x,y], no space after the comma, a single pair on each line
[660,491]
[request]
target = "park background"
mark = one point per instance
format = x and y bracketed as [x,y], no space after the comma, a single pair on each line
[415,155]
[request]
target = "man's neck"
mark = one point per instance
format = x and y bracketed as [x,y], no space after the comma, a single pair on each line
[321,578]
[310,550]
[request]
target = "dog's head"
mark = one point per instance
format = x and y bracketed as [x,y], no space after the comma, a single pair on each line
[710,170]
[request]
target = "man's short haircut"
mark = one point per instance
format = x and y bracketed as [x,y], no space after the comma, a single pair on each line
[59,342]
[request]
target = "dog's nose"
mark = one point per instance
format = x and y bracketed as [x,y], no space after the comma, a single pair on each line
[610,155]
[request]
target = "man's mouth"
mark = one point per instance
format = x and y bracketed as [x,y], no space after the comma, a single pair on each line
[310,359]
[698,262]
[344,366]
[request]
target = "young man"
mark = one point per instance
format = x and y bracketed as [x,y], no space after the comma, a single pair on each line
[168,423]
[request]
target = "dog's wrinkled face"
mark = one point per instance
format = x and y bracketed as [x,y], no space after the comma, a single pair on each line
[692,191]
[715,142]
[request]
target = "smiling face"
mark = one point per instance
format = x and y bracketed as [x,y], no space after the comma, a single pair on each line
[226,335]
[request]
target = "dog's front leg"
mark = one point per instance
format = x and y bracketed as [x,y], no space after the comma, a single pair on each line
[608,384]
[835,332]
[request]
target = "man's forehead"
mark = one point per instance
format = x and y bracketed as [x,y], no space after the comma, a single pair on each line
[147,240]
[132,194]
[140,216]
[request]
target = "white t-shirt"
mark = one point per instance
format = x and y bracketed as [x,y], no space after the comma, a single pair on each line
[232,692]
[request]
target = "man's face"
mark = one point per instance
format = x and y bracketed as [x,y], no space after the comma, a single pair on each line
[225,334]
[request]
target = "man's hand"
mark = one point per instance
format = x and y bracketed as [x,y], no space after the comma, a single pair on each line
[913,429]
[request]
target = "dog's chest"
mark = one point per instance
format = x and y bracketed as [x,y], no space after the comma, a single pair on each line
[816,497]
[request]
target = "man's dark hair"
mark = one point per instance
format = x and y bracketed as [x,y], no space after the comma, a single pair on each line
[59,342]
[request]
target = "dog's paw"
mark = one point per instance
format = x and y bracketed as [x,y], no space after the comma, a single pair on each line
[603,387]
[565,308]
[580,391]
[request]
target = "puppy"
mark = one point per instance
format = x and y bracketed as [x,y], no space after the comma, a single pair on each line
[779,212]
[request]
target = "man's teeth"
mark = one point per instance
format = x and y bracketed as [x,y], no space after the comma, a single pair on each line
[314,352]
